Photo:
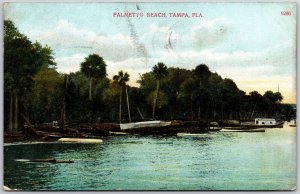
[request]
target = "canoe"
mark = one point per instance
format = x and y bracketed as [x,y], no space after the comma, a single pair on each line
[45,160]
[79,140]
[191,134]
[118,133]
[255,126]
[243,130]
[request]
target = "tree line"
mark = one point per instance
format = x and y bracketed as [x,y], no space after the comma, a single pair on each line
[35,92]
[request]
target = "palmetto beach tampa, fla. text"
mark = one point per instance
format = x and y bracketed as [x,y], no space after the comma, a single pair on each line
[155,14]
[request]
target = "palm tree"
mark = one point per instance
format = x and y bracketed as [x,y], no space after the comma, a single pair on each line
[93,67]
[160,71]
[121,79]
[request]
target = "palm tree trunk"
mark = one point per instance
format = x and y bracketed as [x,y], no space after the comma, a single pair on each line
[120,105]
[155,99]
[128,108]
[139,111]
[192,112]
[27,118]
[64,115]
[10,126]
[90,89]
[199,108]
[253,110]
[16,113]
[63,112]
[222,111]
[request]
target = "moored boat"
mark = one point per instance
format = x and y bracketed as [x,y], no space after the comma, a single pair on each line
[144,124]
[293,123]
[79,140]
[257,123]
[243,130]
[117,133]
[254,126]
[191,134]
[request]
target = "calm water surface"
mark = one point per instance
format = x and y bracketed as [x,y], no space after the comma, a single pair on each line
[217,161]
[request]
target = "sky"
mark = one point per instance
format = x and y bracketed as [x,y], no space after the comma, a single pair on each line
[251,43]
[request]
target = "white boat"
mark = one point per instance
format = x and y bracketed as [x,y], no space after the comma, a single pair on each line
[79,140]
[243,130]
[144,124]
[191,134]
[293,123]
[118,133]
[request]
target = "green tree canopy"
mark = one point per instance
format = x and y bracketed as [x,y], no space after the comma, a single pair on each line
[22,60]
[94,66]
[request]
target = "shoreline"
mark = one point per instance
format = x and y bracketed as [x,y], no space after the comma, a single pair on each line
[48,134]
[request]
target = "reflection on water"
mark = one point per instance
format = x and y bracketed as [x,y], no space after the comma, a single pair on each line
[217,161]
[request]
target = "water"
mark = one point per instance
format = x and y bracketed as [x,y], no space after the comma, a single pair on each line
[218,161]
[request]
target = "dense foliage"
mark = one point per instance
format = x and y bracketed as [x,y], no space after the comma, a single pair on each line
[35,92]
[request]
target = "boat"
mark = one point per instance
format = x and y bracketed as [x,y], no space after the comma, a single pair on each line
[6,188]
[117,133]
[243,130]
[213,126]
[79,140]
[258,124]
[265,121]
[254,126]
[293,123]
[47,160]
[144,124]
[191,134]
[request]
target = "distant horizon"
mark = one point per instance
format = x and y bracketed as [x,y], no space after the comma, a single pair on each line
[233,41]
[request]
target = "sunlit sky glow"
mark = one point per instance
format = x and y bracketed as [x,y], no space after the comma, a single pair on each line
[250,43]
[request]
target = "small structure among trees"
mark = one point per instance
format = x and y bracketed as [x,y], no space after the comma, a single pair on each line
[265,121]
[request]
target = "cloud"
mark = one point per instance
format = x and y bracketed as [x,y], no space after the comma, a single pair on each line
[69,64]
[65,37]
[276,59]
[251,70]
[133,66]
[206,34]
[209,33]
[160,38]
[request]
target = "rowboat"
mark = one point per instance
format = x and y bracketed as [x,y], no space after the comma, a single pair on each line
[243,130]
[47,160]
[191,134]
[118,133]
[144,124]
[79,140]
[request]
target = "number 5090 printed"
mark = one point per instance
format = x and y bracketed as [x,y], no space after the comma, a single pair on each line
[286,13]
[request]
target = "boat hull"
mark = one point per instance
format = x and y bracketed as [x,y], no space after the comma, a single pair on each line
[243,130]
[254,126]
[191,134]
[79,140]
[146,124]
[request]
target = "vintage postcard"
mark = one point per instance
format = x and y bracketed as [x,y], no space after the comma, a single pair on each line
[149,96]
